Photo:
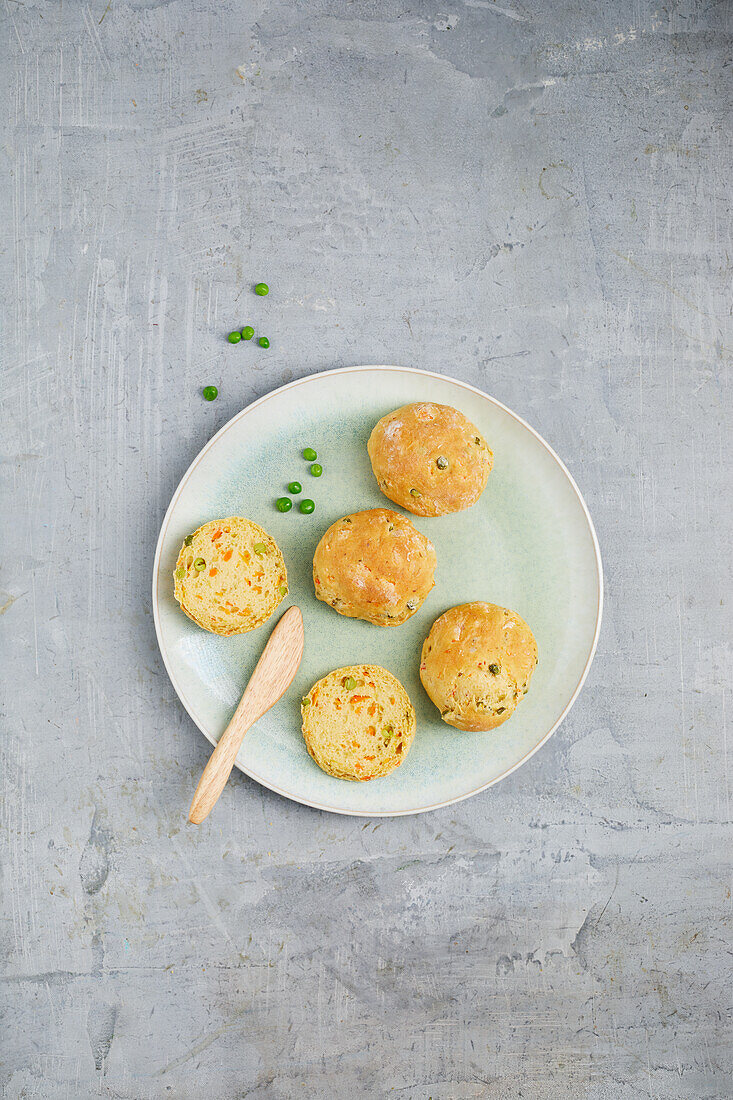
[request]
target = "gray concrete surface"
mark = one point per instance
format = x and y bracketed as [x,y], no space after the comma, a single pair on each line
[534,197]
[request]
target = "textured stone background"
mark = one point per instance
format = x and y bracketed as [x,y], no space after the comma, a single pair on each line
[534,197]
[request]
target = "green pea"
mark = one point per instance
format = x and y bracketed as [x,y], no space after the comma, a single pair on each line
[305,701]
[441,462]
[188,540]
[283,590]
[307,506]
[350,683]
[180,573]
[199,564]
[247,332]
[494,669]
[283,504]
[310,455]
[210,393]
[262,289]
[295,487]
[259,548]
[263,342]
[234,337]
[414,492]
[316,469]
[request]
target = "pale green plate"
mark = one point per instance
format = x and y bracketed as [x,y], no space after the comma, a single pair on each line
[528,544]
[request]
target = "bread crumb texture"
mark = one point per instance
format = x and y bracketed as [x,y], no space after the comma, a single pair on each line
[358,722]
[230,576]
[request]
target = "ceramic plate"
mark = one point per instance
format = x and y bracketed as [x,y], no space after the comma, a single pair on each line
[527,544]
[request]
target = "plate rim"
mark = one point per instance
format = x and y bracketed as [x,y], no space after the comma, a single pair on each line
[425,374]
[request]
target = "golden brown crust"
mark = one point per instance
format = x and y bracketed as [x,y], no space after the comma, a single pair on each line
[358,722]
[374,565]
[243,579]
[476,664]
[430,459]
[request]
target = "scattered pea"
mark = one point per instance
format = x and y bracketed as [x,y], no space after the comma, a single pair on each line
[316,469]
[247,332]
[494,669]
[295,487]
[199,564]
[263,342]
[305,701]
[259,548]
[283,590]
[441,462]
[283,504]
[210,393]
[307,506]
[310,455]
[262,289]
[188,540]
[350,683]
[234,337]
[180,573]
[414,492]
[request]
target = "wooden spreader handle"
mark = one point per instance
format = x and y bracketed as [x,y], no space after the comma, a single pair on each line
[272,676]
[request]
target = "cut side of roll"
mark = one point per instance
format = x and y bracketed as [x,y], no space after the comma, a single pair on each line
[358,722]
[230,576]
